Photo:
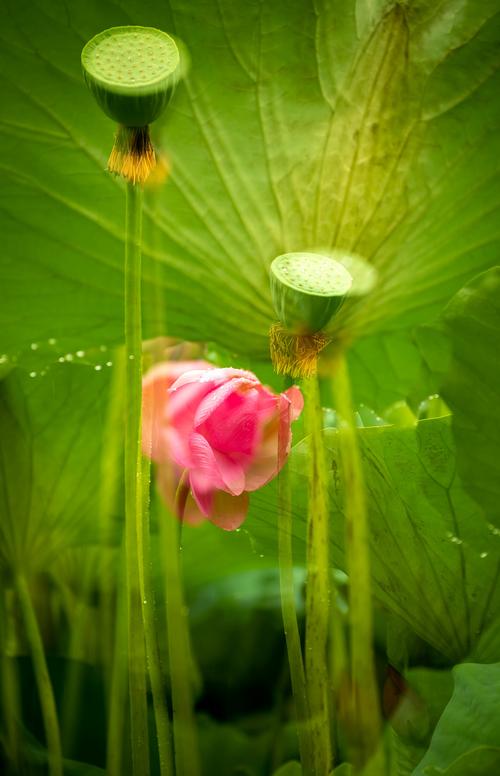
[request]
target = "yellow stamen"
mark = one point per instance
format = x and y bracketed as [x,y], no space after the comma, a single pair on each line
[132,156]
[295,354]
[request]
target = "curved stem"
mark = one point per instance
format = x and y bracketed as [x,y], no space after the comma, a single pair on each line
[187,761]
[290,624]
[133,482]
[318,582]
[42,678]
[364,698]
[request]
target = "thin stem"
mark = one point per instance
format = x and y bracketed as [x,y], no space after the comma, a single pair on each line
[118,684]
[187,760]
[42,678]
[318,582]
[290,624]
[133,482]
[9,682]
[364,698]
[108,491]
[162,721]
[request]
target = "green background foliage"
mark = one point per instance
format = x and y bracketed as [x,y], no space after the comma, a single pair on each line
[370,127]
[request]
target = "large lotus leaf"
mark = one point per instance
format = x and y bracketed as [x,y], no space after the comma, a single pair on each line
[366,126]
[435,560]
[465,741]
[51,465]
[462,352]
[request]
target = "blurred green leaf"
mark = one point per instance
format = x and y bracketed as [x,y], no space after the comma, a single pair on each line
[49,451]
[435,561]
[470,384]
[465,741]
[384,116]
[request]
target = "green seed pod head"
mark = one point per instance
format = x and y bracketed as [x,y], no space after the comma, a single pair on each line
[132,72]
[307,289]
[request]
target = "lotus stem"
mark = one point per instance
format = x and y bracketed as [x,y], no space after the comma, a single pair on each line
[318,590]
[363,701]
[42,678]
[133,482]
[289,614]
[187,760]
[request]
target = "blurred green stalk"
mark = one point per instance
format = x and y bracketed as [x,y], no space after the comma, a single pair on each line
[363,701]
[158,690]
[42,678]
[318,583]
[187,759]
[9,682]
[290,624]
[133,482]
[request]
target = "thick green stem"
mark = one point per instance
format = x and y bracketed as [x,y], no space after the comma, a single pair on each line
[187,761]
[290,624]
[364,703]
[318,583]
[42,678]
[133,483]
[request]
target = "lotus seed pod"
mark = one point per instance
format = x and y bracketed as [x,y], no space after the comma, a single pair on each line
[307,289]
[132,72]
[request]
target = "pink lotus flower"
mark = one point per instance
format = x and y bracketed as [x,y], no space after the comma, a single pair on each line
[219,433]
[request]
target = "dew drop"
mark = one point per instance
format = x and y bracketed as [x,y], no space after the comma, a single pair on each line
[32,374]
[483,555]
[52,341]
[3,358]
[34,346]
[61,359]
[80,353]
[98,367]
[131,357]
[109,363]
[69,356]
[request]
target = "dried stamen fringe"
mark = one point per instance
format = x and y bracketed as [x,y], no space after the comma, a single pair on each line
[295,354]
[133,156]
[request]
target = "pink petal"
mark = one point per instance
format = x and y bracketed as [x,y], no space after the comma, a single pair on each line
[215,377]
[156,402]
[154,393]
[180,412]
[204,471]
[228,512]
[203,498]
[217,397]
[234,427]
[294,394]
[231,472]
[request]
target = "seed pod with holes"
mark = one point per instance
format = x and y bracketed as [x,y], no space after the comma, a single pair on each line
[132,73]
[307,289]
